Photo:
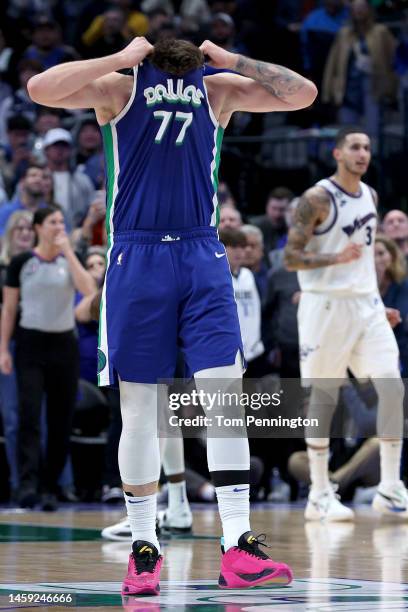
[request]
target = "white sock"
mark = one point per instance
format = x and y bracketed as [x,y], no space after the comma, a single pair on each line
[233,506]
[390,455]
[141,513]
[178,501]
[319,468]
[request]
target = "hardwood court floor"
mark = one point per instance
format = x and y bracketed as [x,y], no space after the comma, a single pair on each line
[360,566]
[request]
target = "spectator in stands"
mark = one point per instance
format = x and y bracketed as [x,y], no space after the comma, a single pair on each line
[6,53]
[222,33]
[279,321]
[19,102]
[73,190]
[89,141]
[159,20]
[254,257]
[46,119]
[92,231]
[248,302]
[401,54]
[229,218]
[48,187]
[192,10]
[272,224]
[112,38]
[16,155]
[318,32]
[395,227]
[18,238]
[224,195]
[30,198]
[43,281]
[359,71]
[391,270]
[47,47]
[135,24]
[275,257]
[95,263]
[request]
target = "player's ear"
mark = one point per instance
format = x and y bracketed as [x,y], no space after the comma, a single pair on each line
[336,153]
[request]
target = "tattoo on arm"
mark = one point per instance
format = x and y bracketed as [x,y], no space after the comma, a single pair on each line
[278,80]
[313,208]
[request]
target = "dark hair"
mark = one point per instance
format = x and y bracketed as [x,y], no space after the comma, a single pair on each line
[281,193]
[41,214]
[26,170]
[48,110]
[345,131]
[18,122]
[30,64]
[176,56]
[232,237]
[88,121]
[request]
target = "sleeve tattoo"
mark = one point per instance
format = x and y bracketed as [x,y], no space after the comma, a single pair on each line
[277,80]
[313,208]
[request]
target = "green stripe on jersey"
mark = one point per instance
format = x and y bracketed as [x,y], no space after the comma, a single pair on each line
[110,175]
[215,180]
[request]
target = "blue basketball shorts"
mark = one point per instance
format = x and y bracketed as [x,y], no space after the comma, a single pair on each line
[164,291]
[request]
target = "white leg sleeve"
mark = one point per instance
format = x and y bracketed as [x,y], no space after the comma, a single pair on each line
[173,456]
[139,454]
[231,453]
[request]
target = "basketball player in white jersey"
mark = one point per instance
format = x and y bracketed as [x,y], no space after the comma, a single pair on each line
[343,323]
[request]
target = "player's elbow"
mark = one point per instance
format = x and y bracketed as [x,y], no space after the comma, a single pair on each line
[36,88]
[310,92]
[306,96]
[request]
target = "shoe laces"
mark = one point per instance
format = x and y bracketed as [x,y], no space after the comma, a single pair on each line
[252,547]
[145,560]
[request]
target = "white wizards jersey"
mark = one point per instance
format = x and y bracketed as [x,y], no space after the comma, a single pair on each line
[249,313]
[352,218]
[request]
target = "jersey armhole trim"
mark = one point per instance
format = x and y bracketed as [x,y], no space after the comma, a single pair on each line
[330,224]
[210,110]
[129,103]
[373,195]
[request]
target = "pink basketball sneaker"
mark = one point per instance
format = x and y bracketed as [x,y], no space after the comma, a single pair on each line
[245,566]
[143,573]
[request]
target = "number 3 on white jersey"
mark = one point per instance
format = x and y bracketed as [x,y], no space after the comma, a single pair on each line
[166,117]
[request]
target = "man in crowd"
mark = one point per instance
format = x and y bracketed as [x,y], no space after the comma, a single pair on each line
[272,224]
[31,195]
[73,190]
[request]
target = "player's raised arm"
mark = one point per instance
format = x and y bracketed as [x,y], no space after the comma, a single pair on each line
[81,84]
[313,209]
[267,87]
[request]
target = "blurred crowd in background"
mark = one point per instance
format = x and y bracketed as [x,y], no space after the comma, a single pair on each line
[51,160]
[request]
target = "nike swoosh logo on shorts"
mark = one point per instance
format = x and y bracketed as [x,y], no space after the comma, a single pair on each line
[139,501]
[238,490]
[218,255]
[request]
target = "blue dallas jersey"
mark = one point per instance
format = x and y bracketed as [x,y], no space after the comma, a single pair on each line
[162,155]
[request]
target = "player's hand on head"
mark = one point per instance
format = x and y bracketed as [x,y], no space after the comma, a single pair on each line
[394,316]
[350,253]
[217,56]
[136,51]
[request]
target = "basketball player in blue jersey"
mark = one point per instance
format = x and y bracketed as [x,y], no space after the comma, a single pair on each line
[168,282]
[343,323]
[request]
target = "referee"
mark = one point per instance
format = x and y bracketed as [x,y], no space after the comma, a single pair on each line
[42,283]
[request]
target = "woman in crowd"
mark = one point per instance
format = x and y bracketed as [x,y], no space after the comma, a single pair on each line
[42,282]
[19,237]
[95,263]
[391,274]
[359,70]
